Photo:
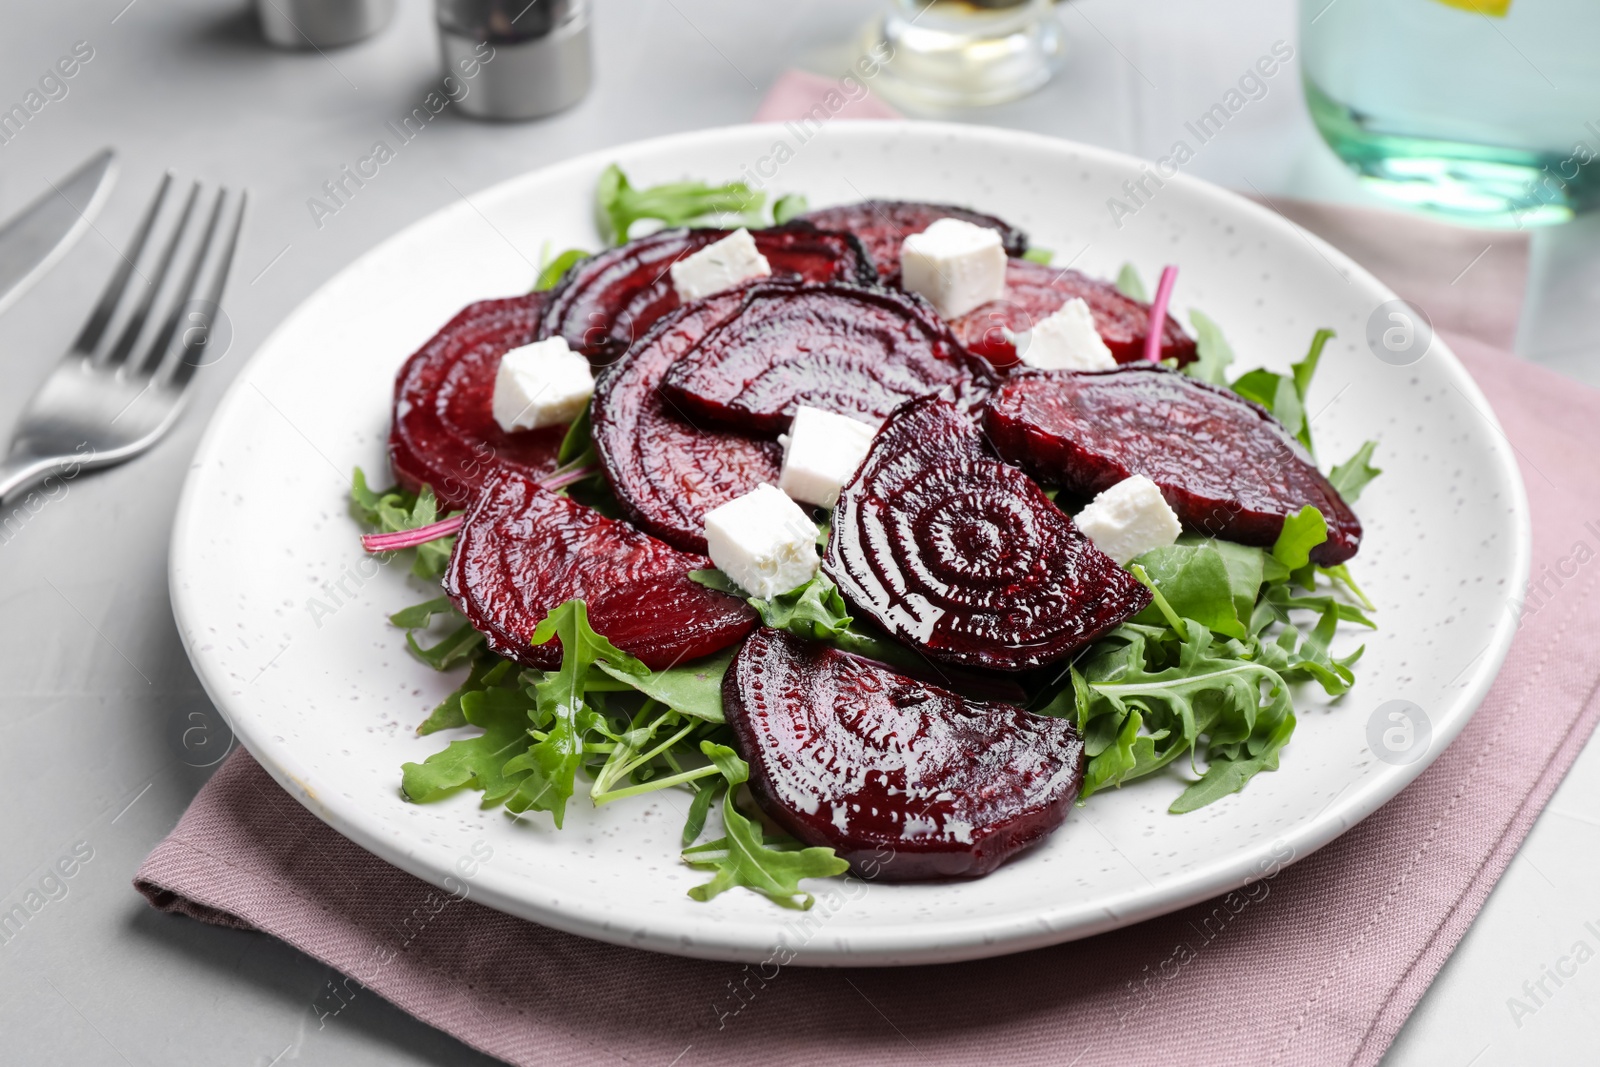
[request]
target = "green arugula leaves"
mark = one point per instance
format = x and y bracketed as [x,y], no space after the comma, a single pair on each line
[552,271]
[817,612]
[1352,476]
[1285,394]
[1214,354]
[549,767]
[479,762]
[394,510]
[633,730]
[1130,285]
[746,857]
[789,207]
[618,205]
[1198,674]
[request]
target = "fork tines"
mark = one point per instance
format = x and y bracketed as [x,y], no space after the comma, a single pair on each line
[174,348]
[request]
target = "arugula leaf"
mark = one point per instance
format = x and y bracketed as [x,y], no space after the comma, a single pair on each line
[712,578]
[699,808]
[788,207]
[1215,355]
[1197,584]
[1285,395]
[551,765]
[1305,657]
[1211,691]
[1225,776]
[743,857]
[1042,256]
[394,510]
[418,616]
[553,271]
[618,205]
[577,447]
[454,648]
[1340,576]
[1302,531]
[815,610]
[487,671]
[481,761]
[1129,285]
[1352,476]
[693,689]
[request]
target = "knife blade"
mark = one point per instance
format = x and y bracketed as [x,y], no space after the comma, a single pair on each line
[33,240]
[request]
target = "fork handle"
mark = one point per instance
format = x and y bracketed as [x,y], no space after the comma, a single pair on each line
[21,471]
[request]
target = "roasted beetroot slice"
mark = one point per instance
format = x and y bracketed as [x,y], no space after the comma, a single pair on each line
[883,224]
[964,557]
[523,551]
[664,470]
[844,348]
[444,434]
[1227,467]
[905,780]
[1035,291]
[608,301]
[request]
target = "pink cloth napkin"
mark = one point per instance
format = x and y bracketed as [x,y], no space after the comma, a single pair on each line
[1318,965]
[797,93]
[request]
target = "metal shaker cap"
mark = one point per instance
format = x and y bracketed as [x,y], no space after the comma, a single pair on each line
[321,23]
[516,59]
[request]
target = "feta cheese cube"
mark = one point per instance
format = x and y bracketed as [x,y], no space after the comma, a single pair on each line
[956,265]
[542,384]
[821,452]
[763,541]
[1129,519]
[1067,340]
[719,266]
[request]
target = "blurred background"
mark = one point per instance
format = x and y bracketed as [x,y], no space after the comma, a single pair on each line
[1486,112]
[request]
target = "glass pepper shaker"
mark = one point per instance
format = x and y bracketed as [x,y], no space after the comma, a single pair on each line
[517,59]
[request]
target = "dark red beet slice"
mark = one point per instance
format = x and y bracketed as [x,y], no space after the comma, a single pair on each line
[523,551]
[964,557]
[1034,292]
[608,301]
[664,470]
[883,224]
[905,780]
[444,434]
[859,352]
[1227,467]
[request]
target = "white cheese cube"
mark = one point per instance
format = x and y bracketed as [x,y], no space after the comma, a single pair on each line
[1067,340]
[719,266]
[957,266]
[763,541]
[820,454]
[542,384]
[1129,519]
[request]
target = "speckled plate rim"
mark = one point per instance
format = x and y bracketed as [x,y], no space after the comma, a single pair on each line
[715,937]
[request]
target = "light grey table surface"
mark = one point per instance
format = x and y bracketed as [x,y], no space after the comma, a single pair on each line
[97,687]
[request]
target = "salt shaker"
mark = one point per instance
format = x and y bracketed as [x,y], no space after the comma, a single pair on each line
[321,23]
[519,59]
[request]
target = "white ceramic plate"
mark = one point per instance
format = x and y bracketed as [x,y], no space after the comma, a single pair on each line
[285,616]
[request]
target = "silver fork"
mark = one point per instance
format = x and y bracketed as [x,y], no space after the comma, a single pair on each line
[106,404]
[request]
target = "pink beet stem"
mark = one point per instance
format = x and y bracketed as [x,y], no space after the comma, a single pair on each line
[391,542]
[561,481]
[1158,314]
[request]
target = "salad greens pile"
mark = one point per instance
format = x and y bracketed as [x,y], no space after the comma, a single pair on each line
[1205,674]
[618,205]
